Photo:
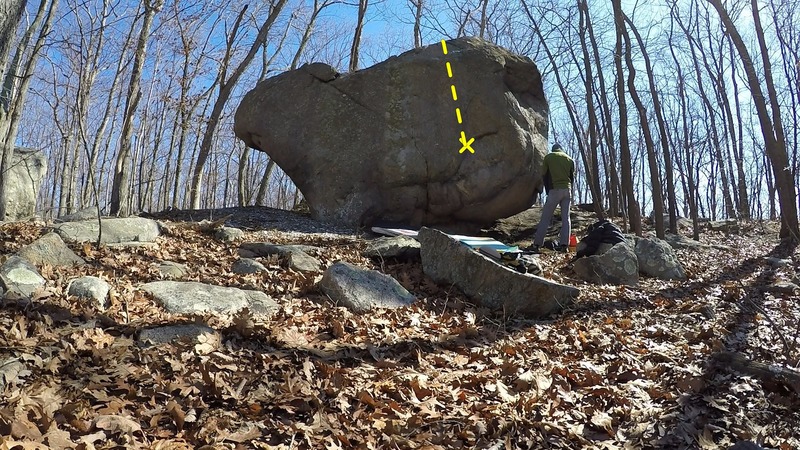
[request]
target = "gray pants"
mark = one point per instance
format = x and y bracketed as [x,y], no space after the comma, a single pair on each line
[555,198]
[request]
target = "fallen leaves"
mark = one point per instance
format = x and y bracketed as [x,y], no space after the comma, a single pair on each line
[625,367]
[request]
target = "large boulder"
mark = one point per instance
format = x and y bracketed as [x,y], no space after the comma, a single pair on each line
[617,265]
[19,277]
[449,262]
[28,168]
[383,142]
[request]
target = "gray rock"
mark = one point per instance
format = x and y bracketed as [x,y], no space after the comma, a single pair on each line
[296,256]
[176,333]
[312,127]
[92,288]
[247,265]
[392,247]
[783,287]
[618,265]
[51,250]
[261,249]
[190,297]
[129,229]
[778,262]
[19,277]
[489,284]
[77,216]
[25,175]
[361,290]
[174,270]
[228,234]
[657,259]
[729,226]
[679,242]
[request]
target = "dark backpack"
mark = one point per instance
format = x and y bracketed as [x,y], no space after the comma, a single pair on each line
[600,232]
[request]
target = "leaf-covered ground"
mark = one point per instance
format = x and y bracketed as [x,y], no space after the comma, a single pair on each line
[624,368]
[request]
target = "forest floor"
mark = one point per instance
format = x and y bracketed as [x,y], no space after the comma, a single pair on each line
[625,367]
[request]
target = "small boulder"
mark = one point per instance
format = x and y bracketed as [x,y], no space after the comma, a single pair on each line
[83,214]
[247,265]
[228,234]
[361,290]
[173,270]
[783,287]
[393,247]
[657,259]
[129,229]
[448,262]
[194,333]
[296,256]
[19,277]
[778,262]
[190,297]
[51,250]
[618,265]
[729,226]
[92,288]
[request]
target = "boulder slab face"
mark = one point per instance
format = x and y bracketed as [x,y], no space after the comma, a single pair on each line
[383,143]
[491,285]
[657,259]
[50,249]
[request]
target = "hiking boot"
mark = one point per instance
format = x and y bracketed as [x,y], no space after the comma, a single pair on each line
[533,249]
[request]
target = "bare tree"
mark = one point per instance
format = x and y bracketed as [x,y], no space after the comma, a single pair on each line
[354,48]
[225,89]
[120,197]
[771,124]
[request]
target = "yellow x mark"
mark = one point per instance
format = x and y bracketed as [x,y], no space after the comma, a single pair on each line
[465,144]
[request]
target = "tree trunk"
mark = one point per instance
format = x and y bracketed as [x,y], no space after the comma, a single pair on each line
[120,189]
[354,48]
[771,127]
[225,89]
[655,177]
[624,144]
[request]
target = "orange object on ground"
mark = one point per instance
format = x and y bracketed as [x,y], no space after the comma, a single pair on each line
[573,240]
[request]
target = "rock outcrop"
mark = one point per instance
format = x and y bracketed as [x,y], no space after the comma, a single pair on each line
[28,168]
[383,142]
[657,259]
[50,249]
[489,284]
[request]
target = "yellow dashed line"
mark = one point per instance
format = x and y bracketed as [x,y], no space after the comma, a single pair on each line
[466,144]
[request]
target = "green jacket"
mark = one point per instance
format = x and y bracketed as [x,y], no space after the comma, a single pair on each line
[559,169]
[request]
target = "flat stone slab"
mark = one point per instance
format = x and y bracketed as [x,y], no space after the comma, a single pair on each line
[50,249]
[116,230]
[361,290]
[296,256]
[392,247]
[489,284]
[188,297]
[190,332]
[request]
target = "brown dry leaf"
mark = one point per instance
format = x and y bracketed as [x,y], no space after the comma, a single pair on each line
[246,433]
[115,423]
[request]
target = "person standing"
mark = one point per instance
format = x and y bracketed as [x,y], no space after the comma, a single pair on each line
[558,173]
